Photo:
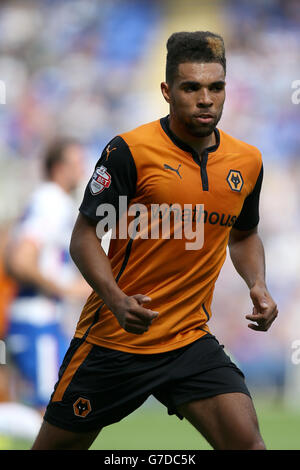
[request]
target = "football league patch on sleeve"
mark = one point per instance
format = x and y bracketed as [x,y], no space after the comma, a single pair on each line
[101,180]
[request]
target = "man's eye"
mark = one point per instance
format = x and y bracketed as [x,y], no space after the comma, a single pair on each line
[217,88]
[190,89]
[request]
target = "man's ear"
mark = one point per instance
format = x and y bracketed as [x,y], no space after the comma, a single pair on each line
[165,89]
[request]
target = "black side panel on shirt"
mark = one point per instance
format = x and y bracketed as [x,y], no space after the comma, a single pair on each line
[115,175]
[249,215]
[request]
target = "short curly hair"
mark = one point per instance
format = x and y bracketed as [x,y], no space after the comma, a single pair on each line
[198,46]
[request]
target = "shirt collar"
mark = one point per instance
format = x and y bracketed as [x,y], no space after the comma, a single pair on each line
[164,122]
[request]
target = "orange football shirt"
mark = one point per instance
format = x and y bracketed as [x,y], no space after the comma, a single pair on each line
[151,166]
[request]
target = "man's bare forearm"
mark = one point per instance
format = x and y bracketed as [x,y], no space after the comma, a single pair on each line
[248,258]
[91,260]
[94,265]
[21,263]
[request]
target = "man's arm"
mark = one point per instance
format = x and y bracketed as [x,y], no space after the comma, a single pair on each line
[21,263]
[94,265]
[248,257]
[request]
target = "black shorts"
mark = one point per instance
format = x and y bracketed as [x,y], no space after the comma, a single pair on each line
[98,386]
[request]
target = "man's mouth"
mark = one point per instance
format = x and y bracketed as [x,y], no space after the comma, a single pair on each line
[204,118]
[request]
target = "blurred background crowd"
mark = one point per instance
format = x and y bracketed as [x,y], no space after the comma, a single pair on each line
[91,69]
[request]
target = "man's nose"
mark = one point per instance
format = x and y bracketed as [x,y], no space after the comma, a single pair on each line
[204,98]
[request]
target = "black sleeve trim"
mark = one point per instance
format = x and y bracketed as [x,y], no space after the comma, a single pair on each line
[115,175]
[249,215]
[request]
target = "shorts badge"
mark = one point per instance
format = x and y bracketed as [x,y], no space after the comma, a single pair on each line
[82,407]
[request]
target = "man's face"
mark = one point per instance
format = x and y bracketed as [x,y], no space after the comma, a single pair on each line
[197,96]
[72,166]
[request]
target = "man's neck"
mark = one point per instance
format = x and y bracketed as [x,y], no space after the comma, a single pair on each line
[60,183]
[197,143]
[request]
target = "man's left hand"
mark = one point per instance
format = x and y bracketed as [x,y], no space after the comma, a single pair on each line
[265,309]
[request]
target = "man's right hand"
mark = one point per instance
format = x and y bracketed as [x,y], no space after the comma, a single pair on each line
[95,266]
[131,314]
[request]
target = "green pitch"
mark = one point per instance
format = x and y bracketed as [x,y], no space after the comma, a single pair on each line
[151,428]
